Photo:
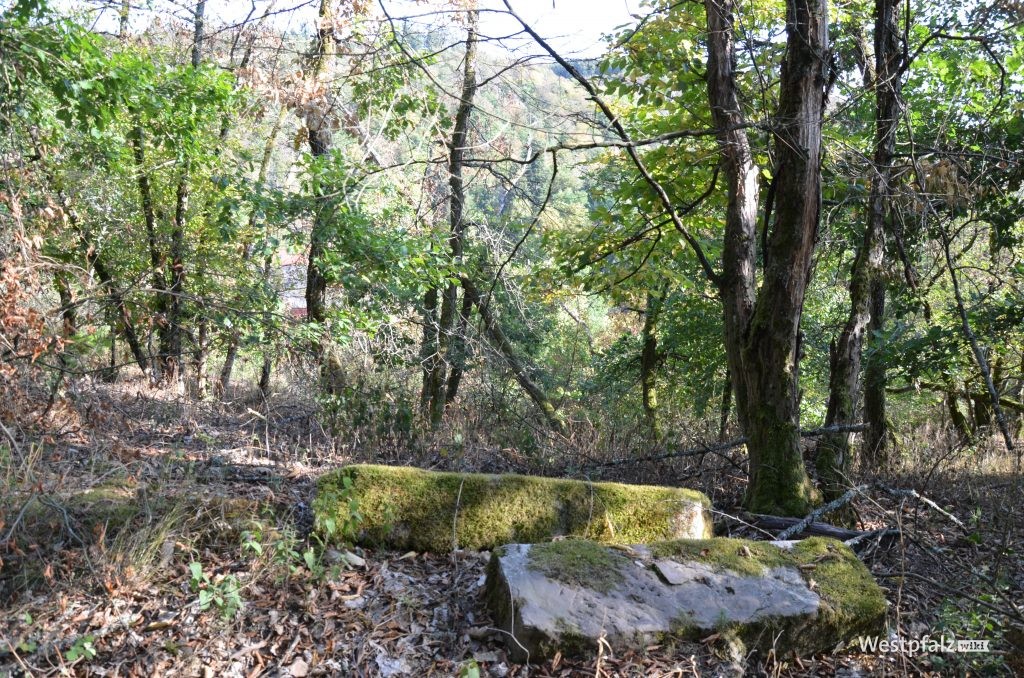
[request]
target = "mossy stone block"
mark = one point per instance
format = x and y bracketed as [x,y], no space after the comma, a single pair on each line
[412,509]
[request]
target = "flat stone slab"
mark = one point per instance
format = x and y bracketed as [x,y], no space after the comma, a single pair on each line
[406,508]
[800,598]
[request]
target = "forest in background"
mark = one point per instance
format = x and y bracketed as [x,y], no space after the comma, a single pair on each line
[772,250]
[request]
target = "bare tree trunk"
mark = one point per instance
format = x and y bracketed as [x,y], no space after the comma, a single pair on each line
[318,124]
[649,359]
[202,353]
[725,409]
[763,336]
[69,320]
[261,177]
[459,349]
[156,259]
[447,346]
[170,344]
[876,438]
[319,119]
[265,369]
[979,355]
[519,369]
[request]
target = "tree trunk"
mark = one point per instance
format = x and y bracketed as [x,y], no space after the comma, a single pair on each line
[868,303]
[956,415]
[763,337]
[202,354]
[156,259]
[725,409]
[459,349]
[115,297]
[979,354]
[876,437]
[429,351]
[649,359]
[170,341]
[318,125]
[501,343]
[69,320]
[448,345]
[261,177]
[319,121]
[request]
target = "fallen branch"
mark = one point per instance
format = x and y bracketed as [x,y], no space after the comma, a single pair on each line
[809,526]
[782,528]
[925,500]
[718,448]
[881,534]
[1011,612]
[822,510]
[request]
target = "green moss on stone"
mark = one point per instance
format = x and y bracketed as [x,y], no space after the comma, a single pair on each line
[409,508]
[852,604]
[738,555]
[579,563]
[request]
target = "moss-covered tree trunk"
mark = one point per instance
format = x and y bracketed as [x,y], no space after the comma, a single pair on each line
[867,288]
[762,326]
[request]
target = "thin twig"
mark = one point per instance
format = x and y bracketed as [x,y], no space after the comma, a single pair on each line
[925,500]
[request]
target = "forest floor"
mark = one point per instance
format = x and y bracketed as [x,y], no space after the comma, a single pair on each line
[156,536]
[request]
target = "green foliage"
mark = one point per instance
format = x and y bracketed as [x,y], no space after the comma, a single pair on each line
[469,669]
[222,592]
[344,521]
[966,620]
[83,648]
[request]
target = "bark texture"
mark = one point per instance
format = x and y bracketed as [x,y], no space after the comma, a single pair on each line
[867,288]
[762,326]
[450,346]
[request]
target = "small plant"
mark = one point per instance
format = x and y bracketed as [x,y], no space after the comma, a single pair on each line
[222,592]
[83,648]
[312,562]
[345,523]
[26,645]
[470,669]
[251,542]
